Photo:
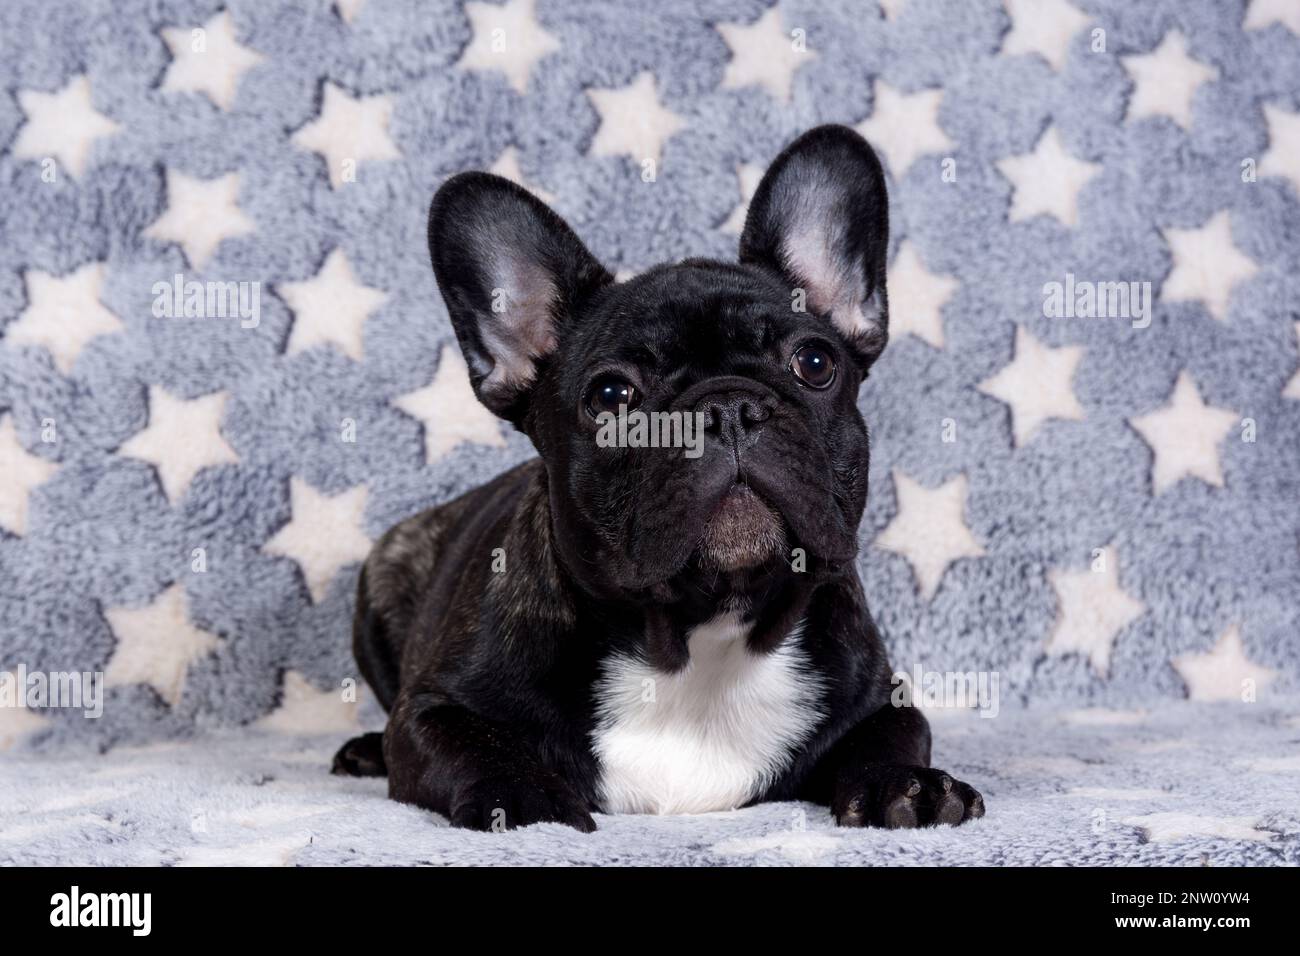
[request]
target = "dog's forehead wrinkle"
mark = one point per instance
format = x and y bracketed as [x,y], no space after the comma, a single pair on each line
[699,279]
[676,330]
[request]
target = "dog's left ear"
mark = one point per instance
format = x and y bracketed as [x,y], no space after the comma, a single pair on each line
[820,217]
[513,275]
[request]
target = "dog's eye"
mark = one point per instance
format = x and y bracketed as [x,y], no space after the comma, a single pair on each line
[608,392]
[813,366]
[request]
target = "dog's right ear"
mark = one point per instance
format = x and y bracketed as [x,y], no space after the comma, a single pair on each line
[512,273]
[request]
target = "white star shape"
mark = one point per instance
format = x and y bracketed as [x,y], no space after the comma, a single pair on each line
[17,723]
[262,852]
[917,296]
[348,9]
[22,472]
[332,307]
[63,125]
[324,534]
[1093,610]
[64,313]
[1036,385]
[1184,435]
[1165,80]
[507,165]
[305,710]
[349,129]
[1206,265]
[507,38]
[904,126]
[929,529]
[762,54]
[182,438]
[201,213]
[1288,764]
[1044,27]
[1292,389]
[632,121]
[1221,672]
[797,846]
[1283,156]
[1104,717]
[892,9]
[748,176]
[1048,180]
[216,70]
[450,411]
[1263,13]
[156,644]
[1170,826]
[1112,793]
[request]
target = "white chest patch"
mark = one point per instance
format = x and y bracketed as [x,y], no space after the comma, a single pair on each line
[710,737]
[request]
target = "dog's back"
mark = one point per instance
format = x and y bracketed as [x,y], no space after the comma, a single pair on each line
[401,573]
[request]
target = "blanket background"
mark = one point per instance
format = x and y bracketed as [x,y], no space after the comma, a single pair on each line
[299,151]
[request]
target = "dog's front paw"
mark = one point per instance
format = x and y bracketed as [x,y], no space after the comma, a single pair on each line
[361,757]
[505,803]
[904,797]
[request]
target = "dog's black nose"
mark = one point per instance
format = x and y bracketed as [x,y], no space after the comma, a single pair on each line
[733,416]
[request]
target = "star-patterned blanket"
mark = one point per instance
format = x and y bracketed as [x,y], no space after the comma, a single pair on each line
[225,370]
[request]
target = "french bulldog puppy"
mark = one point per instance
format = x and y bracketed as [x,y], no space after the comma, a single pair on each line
[624,629]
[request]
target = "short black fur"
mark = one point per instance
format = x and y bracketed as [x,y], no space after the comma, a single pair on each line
[488,673]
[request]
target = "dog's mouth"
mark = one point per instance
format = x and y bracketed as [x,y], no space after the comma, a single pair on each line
[743,531]
[740,526]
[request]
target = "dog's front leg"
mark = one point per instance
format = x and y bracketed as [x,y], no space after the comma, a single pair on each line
[444,758]
[880,775]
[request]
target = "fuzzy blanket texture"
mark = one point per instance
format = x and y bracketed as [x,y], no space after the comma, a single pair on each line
[225,370]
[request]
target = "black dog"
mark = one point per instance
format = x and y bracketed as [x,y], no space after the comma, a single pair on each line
[645,630]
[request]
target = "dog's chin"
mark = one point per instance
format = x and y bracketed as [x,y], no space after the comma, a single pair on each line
[743,532]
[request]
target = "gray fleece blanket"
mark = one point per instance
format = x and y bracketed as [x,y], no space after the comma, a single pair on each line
[1177,784]
[225,369]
